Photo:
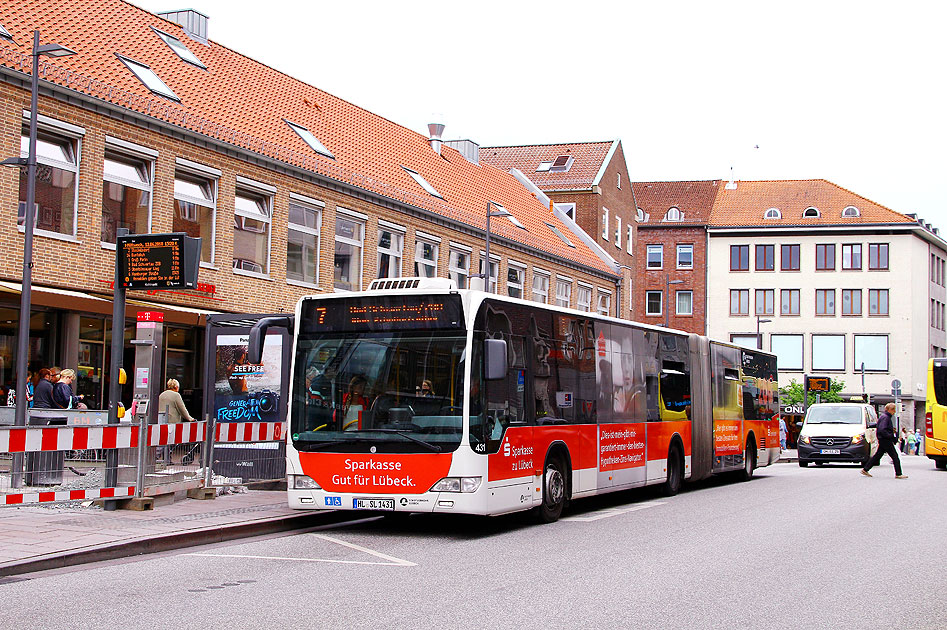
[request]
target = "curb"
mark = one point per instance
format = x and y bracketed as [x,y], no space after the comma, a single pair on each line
[170,542]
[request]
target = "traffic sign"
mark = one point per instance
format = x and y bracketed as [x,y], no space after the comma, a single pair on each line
[895,384]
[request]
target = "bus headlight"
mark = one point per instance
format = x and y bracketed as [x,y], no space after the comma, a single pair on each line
[457,484]
[858,438]
[804,439]
[303,482]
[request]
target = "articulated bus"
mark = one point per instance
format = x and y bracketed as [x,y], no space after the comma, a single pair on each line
[935,430]
[523,405]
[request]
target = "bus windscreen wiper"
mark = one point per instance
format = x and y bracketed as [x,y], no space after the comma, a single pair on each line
[402,433]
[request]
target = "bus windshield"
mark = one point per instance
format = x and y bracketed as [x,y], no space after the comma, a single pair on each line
[388,392]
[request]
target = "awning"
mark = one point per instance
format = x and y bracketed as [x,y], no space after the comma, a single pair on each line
[68,299]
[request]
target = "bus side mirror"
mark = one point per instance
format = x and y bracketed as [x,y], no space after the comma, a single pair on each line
[258,336]
[494,359]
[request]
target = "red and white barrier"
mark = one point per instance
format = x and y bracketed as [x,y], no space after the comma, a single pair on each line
[67,495]
[250,432]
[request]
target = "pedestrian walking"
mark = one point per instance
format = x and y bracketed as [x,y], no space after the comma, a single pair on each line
[911,441]
[917,441]
[886,443]
[782,433]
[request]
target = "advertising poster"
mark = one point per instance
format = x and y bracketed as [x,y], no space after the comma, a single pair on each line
[246,392]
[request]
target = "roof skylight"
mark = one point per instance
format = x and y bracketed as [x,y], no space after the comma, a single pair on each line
[503,212]
[178,47]
[310,139]
[562,236]
[423,183]
[543,167]
[147,76]
[5,34]
[562,164]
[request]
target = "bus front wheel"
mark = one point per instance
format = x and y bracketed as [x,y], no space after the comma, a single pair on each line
[941,464]
[554,490]
[749,462]
[675,466]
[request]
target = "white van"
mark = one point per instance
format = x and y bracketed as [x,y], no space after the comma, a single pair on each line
[838,432]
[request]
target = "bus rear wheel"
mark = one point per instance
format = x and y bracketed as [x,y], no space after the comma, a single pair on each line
[672,485]
[554,490]
[941,463]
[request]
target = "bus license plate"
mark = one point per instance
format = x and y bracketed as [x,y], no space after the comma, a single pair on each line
[374,504]
[831,451]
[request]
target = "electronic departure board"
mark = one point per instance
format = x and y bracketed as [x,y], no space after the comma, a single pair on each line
[158,261]
[383,313]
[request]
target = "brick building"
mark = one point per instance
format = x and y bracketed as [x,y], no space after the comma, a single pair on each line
[671,253]
[154,127]
[588,183]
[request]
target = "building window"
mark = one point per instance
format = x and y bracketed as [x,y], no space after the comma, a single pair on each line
[852,256]
[773,213]
[514,280]
[458,266]
[540,288]
[811,212]
[390,251]
[851,211]
[788,351]
[629,240]
[302,241]
[739,258]
[765,257]
[57,175]
[653,302]
[425,259]
[739,301]
[349,240]
[195,206]
[789,257]
[685,256]
[655,256]
[674,214]
[825,257]
[618,232]
[745,341]
[147,76]
[764,301]
[877,256]
[851,301]
[605,224]
[126,194]
[685,303]
[604,303]
[567,208]
[825,301]
[253,212]
[494,275]
[583,296]
[619,180]
[789,301]
[877,301]
[828,352]
[563,292]
[872,351]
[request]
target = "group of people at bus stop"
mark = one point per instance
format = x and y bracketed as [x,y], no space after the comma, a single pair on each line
[49,388]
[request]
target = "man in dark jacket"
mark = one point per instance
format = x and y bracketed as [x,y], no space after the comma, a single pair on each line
[886,443]
[43,396]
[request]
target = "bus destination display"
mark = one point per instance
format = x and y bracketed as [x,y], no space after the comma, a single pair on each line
[380,314]
[154,261]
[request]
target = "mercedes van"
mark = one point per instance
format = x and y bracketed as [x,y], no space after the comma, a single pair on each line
[837,432]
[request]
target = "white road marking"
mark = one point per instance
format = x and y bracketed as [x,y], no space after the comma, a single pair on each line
[609,512]
[391,560]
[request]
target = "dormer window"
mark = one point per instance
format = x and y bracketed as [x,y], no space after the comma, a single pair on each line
[561,164]
[310,139]
[423,183]
[773,213]
[148,77]
[543,167]
[851,211]
[811,212]
[673,214]
[179,48]
[640,216]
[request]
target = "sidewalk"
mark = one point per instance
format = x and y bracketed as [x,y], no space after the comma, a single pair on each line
[34,538]
[789,455]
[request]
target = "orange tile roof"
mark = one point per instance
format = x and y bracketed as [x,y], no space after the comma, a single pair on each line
[243,102]
[694,199]
[587,161]
[746,204]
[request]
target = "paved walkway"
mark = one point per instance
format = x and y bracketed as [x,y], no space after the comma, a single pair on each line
[36,538]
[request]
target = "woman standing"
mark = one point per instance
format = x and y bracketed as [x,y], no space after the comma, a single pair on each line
[63,395]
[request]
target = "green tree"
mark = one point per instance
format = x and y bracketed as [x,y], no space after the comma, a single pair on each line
[792,394]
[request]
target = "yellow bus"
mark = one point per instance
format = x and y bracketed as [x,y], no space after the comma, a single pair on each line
[935,440]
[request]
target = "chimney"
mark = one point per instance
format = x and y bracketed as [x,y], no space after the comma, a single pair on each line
[467,148]
[435,130]
[731,185]
[193,23]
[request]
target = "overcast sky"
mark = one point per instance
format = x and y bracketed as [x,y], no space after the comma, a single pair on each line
[852,92]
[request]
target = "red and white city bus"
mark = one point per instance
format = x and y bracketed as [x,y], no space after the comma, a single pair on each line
[416,396]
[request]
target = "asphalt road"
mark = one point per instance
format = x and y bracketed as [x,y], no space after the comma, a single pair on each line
[793,548]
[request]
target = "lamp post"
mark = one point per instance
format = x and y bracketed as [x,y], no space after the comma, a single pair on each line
[759,340]
[667,298]
[499,212]
[23,334]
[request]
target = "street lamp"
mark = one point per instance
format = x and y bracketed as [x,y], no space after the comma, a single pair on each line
[759,340]
[23,334]
[499,212]
[667,298]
